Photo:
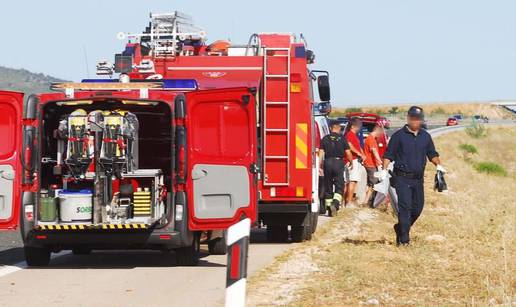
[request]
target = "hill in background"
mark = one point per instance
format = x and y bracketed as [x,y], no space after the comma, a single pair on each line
[25,81]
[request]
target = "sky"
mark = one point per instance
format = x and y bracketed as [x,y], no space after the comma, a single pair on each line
[377,51]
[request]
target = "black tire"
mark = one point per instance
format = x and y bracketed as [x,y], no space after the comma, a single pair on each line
[301,233]
[189,255]
[315,220]
[218,246]
[322,206]
[81,251]
[277,234]
[37,256]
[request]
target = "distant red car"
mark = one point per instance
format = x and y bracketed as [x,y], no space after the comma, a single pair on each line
[452,121]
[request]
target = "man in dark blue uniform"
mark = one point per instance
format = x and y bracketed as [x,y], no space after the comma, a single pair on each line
[409,148]
[333,148]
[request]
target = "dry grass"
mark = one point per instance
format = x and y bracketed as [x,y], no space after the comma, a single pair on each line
[464,245]
[444,109]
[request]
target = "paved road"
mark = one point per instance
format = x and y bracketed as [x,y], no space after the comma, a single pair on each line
[124,278]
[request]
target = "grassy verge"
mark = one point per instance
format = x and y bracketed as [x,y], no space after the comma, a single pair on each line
[464,245]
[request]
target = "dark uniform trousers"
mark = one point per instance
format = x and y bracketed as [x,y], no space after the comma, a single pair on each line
[411,200]
[333,176]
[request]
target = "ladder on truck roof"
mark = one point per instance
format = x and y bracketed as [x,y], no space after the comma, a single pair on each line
[276,116]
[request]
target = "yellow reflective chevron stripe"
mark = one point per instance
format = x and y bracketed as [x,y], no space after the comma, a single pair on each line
[91,226]
[301,145]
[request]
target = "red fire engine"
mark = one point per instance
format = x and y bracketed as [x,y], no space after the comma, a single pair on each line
[178,148]
[277,66]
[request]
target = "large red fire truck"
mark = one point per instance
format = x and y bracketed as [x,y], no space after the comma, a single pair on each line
[277,66]
[178,148]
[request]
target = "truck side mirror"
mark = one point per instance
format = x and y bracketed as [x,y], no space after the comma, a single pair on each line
[323,83]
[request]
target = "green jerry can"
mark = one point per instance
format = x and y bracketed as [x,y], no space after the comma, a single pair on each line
[48,209]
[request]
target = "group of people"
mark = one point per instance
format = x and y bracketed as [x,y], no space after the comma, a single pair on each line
[342,161]
[342,158]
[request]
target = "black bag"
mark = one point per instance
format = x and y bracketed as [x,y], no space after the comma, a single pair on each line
[439,182]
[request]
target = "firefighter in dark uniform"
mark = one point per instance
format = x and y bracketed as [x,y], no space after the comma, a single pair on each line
[333,148]
[409,148]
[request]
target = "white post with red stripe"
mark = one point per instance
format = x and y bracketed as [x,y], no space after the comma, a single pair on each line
[236,276]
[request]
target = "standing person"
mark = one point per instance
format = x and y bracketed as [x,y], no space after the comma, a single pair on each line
[409,148]
[333,148]
[373,161]
[354,126]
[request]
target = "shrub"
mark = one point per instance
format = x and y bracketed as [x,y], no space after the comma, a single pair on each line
[394,110]
[491,168]
[468,148]
[476,130]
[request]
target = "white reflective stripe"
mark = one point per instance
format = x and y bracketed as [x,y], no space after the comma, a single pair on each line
[235,294]
[238,231]
[216,68]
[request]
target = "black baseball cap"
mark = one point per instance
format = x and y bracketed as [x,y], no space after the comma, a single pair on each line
[416,111]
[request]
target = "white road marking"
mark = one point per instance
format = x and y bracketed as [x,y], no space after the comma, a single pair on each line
[9,269]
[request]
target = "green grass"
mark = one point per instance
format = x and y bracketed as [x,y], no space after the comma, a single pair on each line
[468,148]
[491,168]
[476,131]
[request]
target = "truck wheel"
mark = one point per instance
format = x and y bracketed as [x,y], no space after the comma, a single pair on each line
[322,206]
[218,246]
[315,219]
[301,233]
[37,256]
[189,255]
[81,251]
[277,233]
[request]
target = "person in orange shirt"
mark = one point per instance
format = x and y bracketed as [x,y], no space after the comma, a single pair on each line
[373,161]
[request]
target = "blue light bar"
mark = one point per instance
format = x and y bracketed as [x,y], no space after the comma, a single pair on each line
[171,84]
[183,84]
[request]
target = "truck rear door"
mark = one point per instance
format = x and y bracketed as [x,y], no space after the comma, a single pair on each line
[11,108]
[221,142]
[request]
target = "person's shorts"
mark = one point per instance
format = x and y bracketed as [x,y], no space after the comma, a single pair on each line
[354,173]
[371,179]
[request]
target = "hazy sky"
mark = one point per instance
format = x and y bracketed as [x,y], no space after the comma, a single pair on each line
[378,51]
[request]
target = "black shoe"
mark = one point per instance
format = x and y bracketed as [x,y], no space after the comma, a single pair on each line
[336,204]
[396,230]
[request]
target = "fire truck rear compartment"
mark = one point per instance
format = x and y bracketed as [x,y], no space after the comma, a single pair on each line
[122,182]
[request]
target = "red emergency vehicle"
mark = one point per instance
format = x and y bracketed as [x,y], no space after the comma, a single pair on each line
[163,194]
[182,145]
[277,66]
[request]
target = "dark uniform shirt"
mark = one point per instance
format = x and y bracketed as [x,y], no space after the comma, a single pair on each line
[334,145]
[410,151]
